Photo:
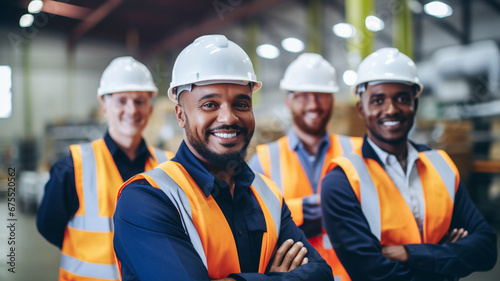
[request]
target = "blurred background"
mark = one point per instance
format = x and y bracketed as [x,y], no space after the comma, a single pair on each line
[52,55]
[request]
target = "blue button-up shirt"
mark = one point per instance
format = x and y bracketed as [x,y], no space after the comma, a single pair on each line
[151,243]
[312,164]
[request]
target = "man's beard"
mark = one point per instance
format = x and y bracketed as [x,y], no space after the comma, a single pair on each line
[230,159]
[318,130]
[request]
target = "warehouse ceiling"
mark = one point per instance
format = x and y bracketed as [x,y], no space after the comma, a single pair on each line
[150,25]
[155,26]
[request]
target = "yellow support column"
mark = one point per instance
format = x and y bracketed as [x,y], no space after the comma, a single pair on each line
[361,45]
[314,18]
[402,27]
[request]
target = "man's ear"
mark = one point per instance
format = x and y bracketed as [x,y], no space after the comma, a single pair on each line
[415,102]
[102,102]
[288,100]
[360,109]
[181,117]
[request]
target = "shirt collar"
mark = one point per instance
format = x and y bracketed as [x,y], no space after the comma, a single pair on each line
[202,177]
[383,155]
[295,143]
[115,150]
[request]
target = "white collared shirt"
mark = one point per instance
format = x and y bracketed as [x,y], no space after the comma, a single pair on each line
[408,184]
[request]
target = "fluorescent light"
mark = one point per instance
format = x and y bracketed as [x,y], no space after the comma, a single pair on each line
[26,20]
[35,6]
[268,51]
[374,24]
[5,91]
[438,9]
[344,30]
[350,77]
[292,45]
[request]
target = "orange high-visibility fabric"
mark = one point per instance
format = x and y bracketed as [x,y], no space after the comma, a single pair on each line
[398,225]
[215,234]
[296,185]
[91,246]
[294,181]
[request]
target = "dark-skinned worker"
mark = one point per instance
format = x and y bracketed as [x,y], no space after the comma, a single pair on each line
[298,161]
[79,201]
[394,209]
[205,215]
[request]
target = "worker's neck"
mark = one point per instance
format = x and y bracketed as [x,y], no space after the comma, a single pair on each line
[399,149]
[129,145]
[310,142]
[225,174]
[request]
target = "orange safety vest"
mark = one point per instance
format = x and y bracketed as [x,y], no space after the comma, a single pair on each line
[389,217]
[283,166]
[206,225]
[87,252]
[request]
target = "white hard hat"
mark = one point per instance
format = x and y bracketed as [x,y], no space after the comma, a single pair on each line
[212,59]
[310,73]
[388,65]
[126,74]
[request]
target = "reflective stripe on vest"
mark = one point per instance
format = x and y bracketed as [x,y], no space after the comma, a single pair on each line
[160,155]
[369,206]
[91,221]
[92,270]
[443,169]
[275,159]
[345,143]
[269,200]
[297,184]
[368,191]
[87,247]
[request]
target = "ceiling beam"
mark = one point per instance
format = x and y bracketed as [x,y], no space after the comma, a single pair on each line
[493,4]
[93,19]
[186,36]
[65,10]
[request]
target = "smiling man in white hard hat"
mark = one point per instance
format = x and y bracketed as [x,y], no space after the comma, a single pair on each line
[206,215]
[397,210]
[79,200]
[297,162]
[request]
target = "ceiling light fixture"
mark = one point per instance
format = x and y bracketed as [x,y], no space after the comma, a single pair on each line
[344,30]
[292,45]
[438,9]
[26,20]
[350,77]
[268,51]
[374,23]
[35,6]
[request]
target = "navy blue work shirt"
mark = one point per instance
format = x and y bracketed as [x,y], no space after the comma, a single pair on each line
[151,243]
[360,251]
[60,201]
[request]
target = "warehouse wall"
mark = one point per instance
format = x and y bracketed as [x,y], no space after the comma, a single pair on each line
[61,87]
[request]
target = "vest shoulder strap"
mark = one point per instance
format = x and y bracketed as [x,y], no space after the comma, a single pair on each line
[181,202]
[446,170]
[368,194]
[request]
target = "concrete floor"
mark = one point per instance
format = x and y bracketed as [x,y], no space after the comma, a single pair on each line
[38,260]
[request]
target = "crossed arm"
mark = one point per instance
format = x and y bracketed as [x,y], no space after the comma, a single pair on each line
[151,244]
[366,259]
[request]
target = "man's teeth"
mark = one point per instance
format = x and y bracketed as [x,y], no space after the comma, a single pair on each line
[225,136]
[391,123]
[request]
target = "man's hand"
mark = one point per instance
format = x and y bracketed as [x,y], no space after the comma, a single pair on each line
[454,235]
[395,253]
[288,257]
